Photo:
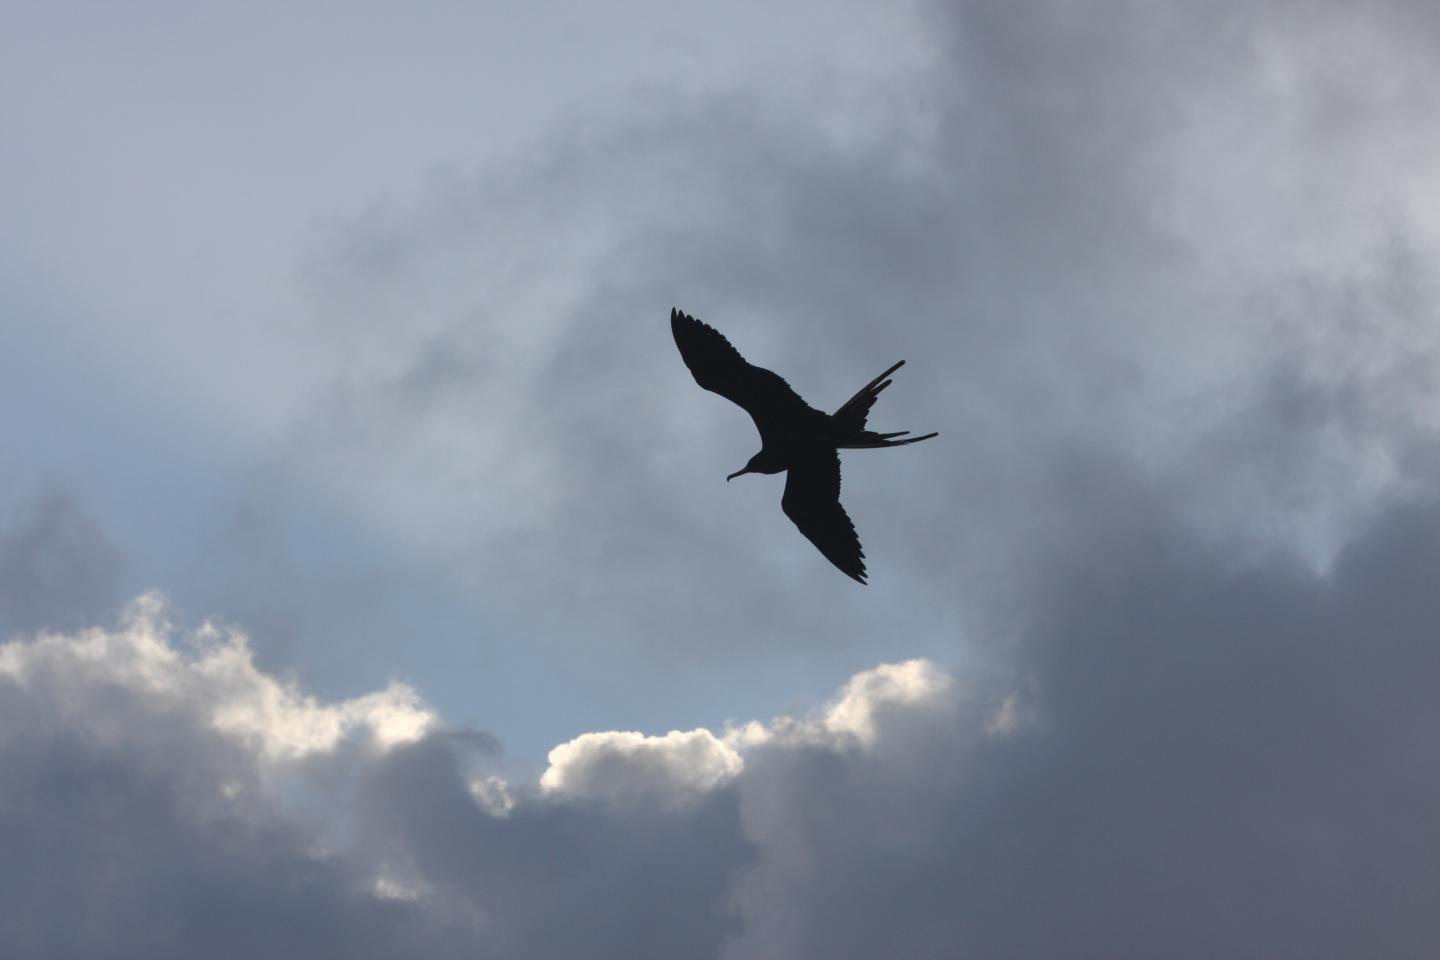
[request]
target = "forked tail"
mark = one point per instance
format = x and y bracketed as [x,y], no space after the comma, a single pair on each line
[849,420]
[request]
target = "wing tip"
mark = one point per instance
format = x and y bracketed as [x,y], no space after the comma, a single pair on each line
[688,326]
[683,327]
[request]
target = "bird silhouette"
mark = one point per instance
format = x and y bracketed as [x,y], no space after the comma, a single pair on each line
[794,436]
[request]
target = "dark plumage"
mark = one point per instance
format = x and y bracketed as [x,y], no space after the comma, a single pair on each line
[794,436]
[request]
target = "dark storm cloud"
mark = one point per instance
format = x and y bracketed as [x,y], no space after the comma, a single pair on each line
[561,878]
[133,829]
[1194,755]
[1163,294]
[1212,759]
[162,798]
[57,567]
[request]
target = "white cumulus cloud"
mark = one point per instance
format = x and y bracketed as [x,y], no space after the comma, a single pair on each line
[621,766]
[212,671]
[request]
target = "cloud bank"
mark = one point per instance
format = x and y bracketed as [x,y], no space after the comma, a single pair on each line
[1196,755]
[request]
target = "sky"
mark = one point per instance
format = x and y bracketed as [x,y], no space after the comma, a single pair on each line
[369,581]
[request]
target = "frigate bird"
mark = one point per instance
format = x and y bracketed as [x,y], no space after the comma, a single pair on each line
[794,436]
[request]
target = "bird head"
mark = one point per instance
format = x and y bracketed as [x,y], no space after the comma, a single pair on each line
[757,464]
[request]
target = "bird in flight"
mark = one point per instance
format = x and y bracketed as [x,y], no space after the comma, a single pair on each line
[794,436]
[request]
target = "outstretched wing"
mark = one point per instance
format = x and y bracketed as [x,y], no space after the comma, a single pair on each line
[719,368]
[812,500]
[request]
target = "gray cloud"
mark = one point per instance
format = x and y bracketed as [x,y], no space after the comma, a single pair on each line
[57,567]
[561,878]
[136,829]
[1195,754]
[1164,278]
[168,799]
[1211,757]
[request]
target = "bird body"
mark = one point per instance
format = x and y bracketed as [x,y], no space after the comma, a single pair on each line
[794,436]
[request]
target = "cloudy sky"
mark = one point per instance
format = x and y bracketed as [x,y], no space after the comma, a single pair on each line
[369,583]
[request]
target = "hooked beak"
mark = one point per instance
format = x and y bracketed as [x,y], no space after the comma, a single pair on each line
[735,474]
